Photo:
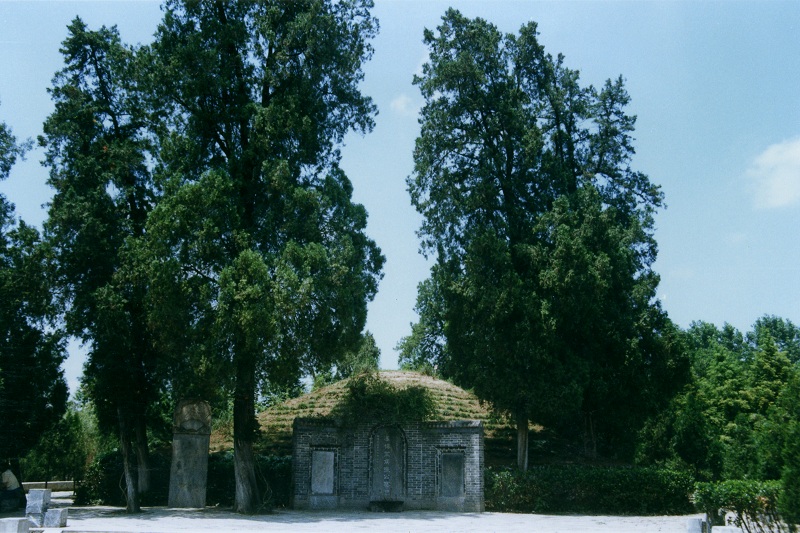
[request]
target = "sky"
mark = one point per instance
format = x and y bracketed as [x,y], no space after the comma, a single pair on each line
[715,87]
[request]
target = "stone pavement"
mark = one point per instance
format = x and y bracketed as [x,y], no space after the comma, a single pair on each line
[104,519]
[163,520]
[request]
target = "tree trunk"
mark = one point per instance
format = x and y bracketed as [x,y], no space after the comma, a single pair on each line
[244,429]
[522,442]
[131,492]
[142,456]
[247,494]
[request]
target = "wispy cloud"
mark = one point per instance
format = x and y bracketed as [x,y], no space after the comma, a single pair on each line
[776,175]
[403,105]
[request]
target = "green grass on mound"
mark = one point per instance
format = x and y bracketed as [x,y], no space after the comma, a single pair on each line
[451,403]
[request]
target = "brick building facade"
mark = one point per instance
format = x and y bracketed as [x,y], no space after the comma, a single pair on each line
[419,465]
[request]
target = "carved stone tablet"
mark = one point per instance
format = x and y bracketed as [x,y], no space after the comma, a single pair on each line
[452,483]
[322,472]
[388,464]
[189,469]
[192,417]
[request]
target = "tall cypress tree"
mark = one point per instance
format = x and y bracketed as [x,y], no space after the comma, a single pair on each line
[257,241]
[97,151]
[542,235]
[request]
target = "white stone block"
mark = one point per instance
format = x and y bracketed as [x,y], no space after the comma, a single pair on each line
[39,495]
[35,508]
[14,525]
[38,502]
[56,517]
[695,525]
[725,529]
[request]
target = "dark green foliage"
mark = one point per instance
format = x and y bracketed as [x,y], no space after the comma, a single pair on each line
[737,420]
[426,345]
[364,358]
[590,490]
[789,500]
[63,452]
[103,483]
[754,504]
[783,332]
[97,152]
[100,156]
[368,397]
[33,392]
[206,238]
[542,298]
[682,437]
[259,251]
[274,474]
[734,418]
[10,150]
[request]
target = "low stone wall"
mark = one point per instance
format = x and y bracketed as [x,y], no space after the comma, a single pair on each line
[55,486]
[420,465]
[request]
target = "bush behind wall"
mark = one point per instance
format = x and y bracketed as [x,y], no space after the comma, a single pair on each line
[103,483]
[589,490]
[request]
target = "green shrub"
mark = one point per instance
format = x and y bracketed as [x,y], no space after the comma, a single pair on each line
[789,501]
[368,397]
[587,489]
[104,484]
[274,474]
[104,481]
[62,453]
[754,504]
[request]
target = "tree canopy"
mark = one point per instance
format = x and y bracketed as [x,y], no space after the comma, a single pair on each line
[256,242]
[736,416]
[98,152]
[542,294]
[33,392]
[205,236]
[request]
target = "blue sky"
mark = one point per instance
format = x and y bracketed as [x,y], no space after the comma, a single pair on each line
[715,86]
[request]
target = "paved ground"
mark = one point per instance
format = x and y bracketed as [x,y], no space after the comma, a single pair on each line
[106,519]
[162,520]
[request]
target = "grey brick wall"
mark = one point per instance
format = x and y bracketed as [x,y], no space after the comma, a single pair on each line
[400,466]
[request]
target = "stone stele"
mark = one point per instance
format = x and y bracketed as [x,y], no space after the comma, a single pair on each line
[189,470]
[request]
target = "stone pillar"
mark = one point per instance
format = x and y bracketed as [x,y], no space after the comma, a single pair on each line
[189,470]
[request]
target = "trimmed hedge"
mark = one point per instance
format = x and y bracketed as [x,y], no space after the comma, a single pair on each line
[589,490]
[103,483]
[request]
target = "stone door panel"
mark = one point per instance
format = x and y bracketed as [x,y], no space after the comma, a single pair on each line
[388,465]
